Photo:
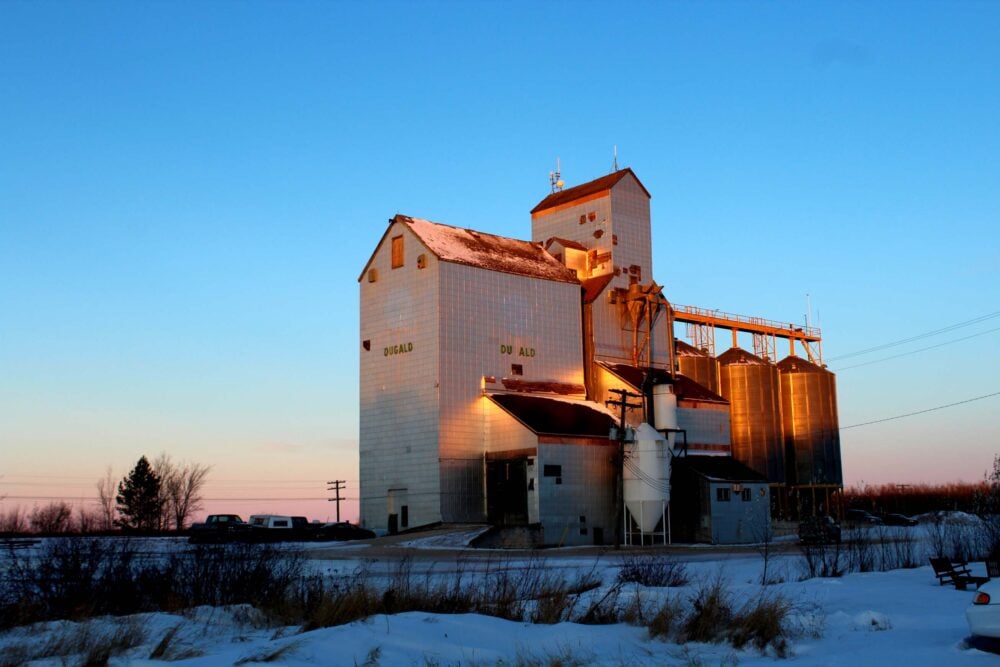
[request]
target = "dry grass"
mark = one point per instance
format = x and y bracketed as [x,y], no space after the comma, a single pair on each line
[761,624]
[270,655]
[86,644]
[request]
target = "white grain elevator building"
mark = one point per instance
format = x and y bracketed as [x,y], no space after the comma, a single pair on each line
[486,362]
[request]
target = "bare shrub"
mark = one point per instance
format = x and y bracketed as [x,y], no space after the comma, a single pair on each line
[86,520]
[652,570]
[859,551]
[13,521]
[761,624]
[605,609]
[822,560]
[72,578]
[959,537]
[896,548]
[667,620]
[52,518]
[711,613]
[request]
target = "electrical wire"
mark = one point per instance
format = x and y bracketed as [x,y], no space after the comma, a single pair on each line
[922,349]
[920,412]
[927,334]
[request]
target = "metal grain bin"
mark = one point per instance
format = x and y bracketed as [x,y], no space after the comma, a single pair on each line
[697,365]
[750,384]
[809,422]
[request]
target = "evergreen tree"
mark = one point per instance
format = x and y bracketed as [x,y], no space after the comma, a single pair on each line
[139,500]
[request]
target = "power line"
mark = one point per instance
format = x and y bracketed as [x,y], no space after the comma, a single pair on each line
[922,349]
[920,412]
[917,337]
[214,500]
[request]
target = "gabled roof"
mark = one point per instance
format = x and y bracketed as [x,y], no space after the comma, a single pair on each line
[593,187]
[555,416]
[566,243]
[485,251]
[488,251]
[718,468]
[684,387]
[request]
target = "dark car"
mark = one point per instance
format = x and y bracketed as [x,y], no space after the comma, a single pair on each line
[861,516]
[344,530]
[895,519]
[819,530]
[219,528]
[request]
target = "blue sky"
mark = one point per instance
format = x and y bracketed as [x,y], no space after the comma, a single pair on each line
[188,193]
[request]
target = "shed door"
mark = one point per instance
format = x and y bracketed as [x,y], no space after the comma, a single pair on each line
[507,492]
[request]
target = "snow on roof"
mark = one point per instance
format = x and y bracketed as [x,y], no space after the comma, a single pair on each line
[488,251]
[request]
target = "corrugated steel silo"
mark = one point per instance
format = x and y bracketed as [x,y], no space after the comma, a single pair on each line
[697,365]
[750,384]
[810,422]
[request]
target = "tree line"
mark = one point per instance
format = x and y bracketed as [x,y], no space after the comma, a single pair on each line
[158,495]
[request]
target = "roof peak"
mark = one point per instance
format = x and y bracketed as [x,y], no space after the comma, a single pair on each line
[589,188]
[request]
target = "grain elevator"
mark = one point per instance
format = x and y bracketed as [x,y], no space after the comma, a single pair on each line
[495,373]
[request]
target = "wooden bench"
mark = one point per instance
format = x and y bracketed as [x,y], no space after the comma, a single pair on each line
[957,573]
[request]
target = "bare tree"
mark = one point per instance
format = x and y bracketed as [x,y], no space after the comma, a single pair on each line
[87,520]
[106,499]
[52,518]
[13,521]
[182,484]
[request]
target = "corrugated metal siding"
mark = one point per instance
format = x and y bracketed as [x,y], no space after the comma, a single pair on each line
[586,489]
[480,311]
[740,521]
[398,434]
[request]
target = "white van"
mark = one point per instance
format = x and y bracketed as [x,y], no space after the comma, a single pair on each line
[271,521]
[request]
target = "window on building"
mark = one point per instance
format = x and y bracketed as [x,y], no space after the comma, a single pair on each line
[404,516]
[397,251]
[549,470]
[722,495]
[516,369]
[746,495]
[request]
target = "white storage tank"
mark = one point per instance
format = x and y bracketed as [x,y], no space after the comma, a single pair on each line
[647,477]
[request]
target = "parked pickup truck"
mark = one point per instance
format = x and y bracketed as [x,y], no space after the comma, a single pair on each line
[220,528]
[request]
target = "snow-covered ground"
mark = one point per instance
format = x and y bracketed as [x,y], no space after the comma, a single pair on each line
[901,617]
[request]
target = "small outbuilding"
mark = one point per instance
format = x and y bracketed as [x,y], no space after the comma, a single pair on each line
[726,501]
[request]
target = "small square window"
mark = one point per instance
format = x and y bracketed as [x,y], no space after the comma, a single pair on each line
[722,495]
[549,470]
[746,494]
[516,369]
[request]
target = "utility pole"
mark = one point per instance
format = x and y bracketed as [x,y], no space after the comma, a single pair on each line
[623,404]
[338,486]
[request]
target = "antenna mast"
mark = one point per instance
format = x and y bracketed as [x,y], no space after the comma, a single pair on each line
[614,164]
[555,179]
